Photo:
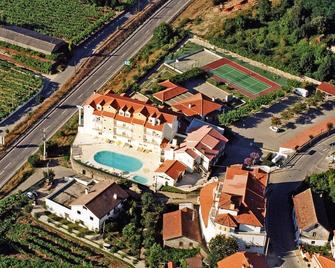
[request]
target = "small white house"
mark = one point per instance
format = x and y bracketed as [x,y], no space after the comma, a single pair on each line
[169,172]
[87,203]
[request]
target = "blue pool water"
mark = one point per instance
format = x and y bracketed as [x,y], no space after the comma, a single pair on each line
[119,161]
[140,179]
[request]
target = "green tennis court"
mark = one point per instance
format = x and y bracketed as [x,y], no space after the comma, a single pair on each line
[233,76]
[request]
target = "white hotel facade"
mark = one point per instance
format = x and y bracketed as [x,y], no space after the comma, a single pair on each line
[133,122]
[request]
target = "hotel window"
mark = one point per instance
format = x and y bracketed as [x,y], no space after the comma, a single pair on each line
[78,212]
[91,218]
[181,244]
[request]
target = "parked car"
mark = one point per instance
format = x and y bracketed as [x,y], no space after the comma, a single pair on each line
[301,92]
[274,129]
[31,194]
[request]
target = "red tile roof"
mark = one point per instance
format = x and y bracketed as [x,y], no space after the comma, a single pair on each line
[327,88]
[134,107]
[309,210]
[226,220]
[170,92]
[194,262]
[173,168]
[325,262]
[196,104]
[206,140]
[243,259]
[181,223]
[206,200]
[242,188]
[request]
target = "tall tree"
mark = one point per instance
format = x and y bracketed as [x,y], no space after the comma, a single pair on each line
[221,247]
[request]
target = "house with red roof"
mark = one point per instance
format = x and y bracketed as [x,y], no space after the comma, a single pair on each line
[201,149]
[243,260]
[236,207]
[169,172]
[128,121]
[197,105]
[310,219]
[181,229]
[319,261]
[171,91]
[327,89]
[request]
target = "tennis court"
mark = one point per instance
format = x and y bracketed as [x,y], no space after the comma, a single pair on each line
[240,79]
[247,82]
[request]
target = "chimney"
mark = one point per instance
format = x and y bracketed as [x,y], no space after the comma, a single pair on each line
[190,105]
[87,190]
[115,196]
[213,99]
[94,92]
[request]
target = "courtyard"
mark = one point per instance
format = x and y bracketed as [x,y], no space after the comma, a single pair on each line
[116,158]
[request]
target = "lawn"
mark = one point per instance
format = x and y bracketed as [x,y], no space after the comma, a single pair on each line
[16,87]
[71,20]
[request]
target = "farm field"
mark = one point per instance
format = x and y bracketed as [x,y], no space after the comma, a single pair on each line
[25,243]
[16,86]
[71,20]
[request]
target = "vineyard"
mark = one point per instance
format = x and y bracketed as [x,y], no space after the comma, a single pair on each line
[16,87]
[71,20]
[26,244]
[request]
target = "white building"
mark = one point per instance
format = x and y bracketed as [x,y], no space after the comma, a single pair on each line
[169,172]
[201,149]
[133,122]
[87,203]
[310,219]
[236,207]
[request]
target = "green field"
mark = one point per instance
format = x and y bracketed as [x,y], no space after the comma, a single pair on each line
[240,79]
[16,86]
[72,20]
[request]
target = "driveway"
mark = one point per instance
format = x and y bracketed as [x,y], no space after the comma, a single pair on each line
[257,126]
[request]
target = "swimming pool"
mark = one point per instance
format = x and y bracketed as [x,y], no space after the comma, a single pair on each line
[118,161]
[141,180]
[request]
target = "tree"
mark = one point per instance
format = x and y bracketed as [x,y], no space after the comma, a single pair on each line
[264,10]
[34,160]
[162,34]
[156,256]
[247,161]
[254,156]
[49,175]
[220,247]
[275,121]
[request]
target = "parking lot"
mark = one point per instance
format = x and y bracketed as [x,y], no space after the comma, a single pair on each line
[256,127]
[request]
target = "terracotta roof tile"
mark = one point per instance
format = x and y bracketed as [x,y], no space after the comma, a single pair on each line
[326,262]
[131,105]
[170,92]
[226,220]
[327,88]
[206,200]
[247,259]
[179,223]
[173,168]
[196,104]
[309,210]
[194,262]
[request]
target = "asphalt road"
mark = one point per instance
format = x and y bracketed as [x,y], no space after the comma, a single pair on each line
[284,182]
[17,154]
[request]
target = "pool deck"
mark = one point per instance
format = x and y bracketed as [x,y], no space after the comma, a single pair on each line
[91,145]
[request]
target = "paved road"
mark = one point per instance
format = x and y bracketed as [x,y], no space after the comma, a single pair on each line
[27,145]
[279,207]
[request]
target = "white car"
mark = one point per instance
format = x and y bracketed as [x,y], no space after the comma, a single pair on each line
[274,129]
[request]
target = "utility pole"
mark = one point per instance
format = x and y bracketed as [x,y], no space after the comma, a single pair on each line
[44,146]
